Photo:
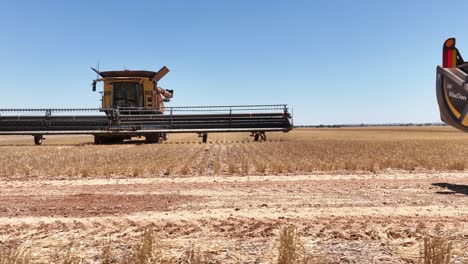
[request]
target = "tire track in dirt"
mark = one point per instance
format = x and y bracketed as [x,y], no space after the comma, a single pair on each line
[295,196]
[339,212]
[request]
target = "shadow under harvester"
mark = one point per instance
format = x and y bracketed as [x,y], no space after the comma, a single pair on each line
[454,188]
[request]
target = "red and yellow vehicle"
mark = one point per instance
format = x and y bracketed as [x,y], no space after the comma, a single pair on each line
[452,86]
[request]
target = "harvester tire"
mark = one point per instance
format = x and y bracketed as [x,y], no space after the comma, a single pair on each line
[103,140]
[117,140]
[38,140]
[154,138]
[259,136]
[256,136]
[98,140]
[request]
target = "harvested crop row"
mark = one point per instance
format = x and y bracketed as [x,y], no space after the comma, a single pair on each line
[301,151]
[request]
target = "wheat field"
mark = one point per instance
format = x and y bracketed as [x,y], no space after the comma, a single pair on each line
[301,151]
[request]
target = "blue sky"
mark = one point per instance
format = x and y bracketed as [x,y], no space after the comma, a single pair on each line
[332,61]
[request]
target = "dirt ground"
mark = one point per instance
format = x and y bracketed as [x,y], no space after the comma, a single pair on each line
[68,194]
[354,218]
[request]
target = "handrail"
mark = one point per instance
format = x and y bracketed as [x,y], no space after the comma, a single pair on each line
[172,109]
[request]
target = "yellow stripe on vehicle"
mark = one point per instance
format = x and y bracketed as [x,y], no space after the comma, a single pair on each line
[465,121]
[454,58]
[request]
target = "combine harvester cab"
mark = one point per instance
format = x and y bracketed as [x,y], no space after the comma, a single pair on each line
[452,87]
[133,106]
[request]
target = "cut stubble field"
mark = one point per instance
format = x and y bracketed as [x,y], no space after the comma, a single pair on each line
[354,195]
[302,151]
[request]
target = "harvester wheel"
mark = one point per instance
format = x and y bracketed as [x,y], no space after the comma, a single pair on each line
[256,136]
[38,140]
[98,140]
[205,137]
[154,138]
[259,136]
[103,140]
[117,140]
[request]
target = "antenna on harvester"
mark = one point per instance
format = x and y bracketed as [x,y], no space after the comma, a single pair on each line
[97,72]
[97,76]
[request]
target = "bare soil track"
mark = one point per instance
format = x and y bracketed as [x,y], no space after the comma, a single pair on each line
[353,218]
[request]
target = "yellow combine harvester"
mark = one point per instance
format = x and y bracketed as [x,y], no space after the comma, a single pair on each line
[133,89]
[133,106]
